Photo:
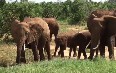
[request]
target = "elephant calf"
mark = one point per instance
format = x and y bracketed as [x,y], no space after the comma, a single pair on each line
[53,26]
[81,39]
[63,40]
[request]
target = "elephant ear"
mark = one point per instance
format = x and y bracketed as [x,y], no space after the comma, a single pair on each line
[25,26]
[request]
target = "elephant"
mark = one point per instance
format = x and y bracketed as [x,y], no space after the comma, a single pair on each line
[44,40]
[101,31]
[81,39]
[23,34]
[63,40]
[53,26]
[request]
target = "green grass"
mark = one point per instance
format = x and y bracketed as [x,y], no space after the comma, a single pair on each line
[64,66]
[66,27]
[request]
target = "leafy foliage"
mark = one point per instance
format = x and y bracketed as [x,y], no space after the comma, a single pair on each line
[71,11]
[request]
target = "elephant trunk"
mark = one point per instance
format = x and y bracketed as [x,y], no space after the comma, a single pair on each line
[95,41]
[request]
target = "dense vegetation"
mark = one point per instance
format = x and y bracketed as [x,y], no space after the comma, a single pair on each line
[72,12]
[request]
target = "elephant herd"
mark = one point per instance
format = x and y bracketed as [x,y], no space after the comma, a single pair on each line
[36,34]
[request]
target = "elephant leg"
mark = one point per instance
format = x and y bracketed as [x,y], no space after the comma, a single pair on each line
[62,53]
[84,53]
[62,48]
[91,53]
[110,48]
[70,52]
[102,50]
[23,55]
[74,50]
[50,36]
[55,35]
[42,57]
[97,52]
[56,48]
[82,48]
[59,53]
[47,47]
[79,52]
[19,48]
[35,52]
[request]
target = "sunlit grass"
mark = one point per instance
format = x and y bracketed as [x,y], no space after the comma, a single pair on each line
[64,66]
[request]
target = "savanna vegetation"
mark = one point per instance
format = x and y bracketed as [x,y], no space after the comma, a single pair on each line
[70,15]
[72,12]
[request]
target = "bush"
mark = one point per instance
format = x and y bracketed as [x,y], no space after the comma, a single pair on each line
[73,12]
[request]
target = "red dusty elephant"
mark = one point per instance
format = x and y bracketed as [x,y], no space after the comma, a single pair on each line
[24,33]
[102,29]
[53,26]
[44,40]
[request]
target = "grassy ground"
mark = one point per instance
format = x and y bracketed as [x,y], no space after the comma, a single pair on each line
[64,66]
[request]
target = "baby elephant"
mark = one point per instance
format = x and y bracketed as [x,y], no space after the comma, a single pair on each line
[63,40]
[81,39]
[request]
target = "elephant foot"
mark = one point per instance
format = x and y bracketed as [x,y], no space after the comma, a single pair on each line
[85,57]
[103,56]
[74,55]
[36,58]
[112,57]
[18,60]
[59,53]
[62,55]
[23,60]
[54,54]
[96,56]
[49,57]
[78,58]
[42,58]
[90,57]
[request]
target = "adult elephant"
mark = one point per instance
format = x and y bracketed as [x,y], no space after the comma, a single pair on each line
[53,26]
[100,32]
[24,33]
[44,40]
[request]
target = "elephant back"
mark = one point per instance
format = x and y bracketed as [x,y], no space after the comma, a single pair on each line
[53,24]
[40,22]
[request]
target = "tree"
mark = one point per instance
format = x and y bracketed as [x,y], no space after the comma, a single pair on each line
[112,0]
[2,2]
[24,0]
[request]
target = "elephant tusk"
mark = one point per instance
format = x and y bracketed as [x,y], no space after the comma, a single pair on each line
[94,15]
[96,46]
[88,44]
[98,19]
